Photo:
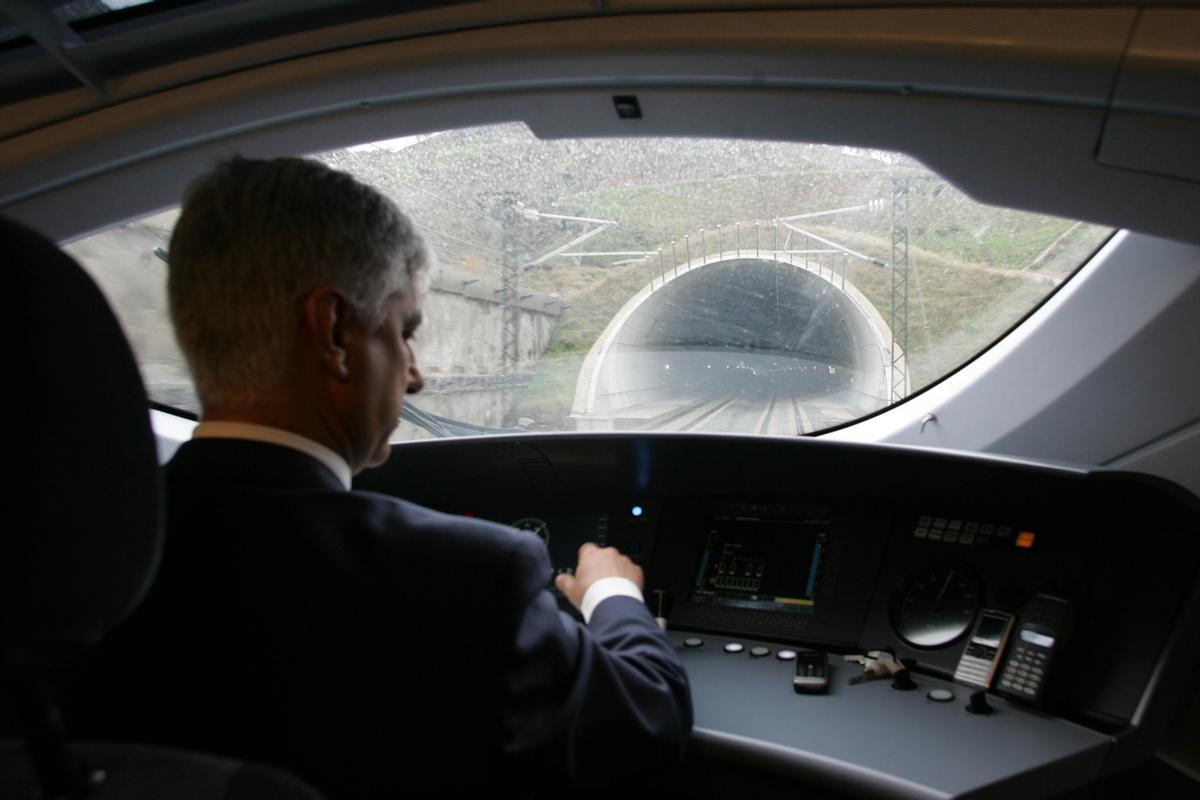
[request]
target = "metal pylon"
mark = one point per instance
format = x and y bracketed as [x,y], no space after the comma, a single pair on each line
[899,320]
[510,284]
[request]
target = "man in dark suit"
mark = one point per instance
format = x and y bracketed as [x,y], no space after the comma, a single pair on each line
[369,644]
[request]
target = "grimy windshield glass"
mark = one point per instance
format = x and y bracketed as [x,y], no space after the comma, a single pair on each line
[665,284]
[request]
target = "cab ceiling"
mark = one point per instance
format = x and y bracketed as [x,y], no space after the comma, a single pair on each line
[1089,112]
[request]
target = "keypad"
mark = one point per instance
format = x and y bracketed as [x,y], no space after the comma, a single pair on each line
[1024,671]
[973,670]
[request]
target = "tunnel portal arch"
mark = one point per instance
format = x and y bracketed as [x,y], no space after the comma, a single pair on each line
[739,344]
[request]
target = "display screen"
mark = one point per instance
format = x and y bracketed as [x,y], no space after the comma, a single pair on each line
[991,630]
[1040,639]
[764,562]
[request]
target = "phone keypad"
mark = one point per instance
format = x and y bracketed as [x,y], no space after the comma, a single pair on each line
[1025,671]
[973,670]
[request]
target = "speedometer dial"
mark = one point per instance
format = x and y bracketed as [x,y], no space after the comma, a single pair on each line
[936,606]
[537,527]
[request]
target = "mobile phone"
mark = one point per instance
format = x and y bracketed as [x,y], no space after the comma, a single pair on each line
[981,655]
[1031,655]
[812,672]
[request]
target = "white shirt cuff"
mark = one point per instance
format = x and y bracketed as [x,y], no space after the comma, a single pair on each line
[605,588]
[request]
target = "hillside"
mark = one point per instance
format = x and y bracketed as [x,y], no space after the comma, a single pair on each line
[974,270]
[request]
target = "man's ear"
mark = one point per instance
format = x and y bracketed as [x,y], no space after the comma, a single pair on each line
[328,317]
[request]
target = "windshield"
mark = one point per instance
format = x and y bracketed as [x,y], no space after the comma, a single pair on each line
[664,284]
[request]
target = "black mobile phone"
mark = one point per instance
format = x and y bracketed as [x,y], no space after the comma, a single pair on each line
[812,672]
[1039,632]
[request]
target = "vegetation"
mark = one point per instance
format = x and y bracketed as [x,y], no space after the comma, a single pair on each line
[974,270]
[482,195]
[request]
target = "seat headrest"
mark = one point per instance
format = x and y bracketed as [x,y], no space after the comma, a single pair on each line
[83,531]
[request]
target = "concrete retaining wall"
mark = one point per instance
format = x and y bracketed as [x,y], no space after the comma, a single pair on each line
[460,346]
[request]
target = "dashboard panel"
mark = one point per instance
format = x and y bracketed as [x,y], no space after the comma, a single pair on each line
[781,544]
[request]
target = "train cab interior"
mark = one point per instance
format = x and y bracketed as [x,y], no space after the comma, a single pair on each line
[869,329]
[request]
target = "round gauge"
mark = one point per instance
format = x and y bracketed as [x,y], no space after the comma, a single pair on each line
[537,527]
[936,606]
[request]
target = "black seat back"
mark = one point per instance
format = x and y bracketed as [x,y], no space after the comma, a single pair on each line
[83,536]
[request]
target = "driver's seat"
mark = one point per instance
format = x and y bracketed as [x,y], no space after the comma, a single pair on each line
[82,541]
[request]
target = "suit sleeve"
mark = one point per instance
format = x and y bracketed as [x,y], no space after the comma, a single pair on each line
[596,703]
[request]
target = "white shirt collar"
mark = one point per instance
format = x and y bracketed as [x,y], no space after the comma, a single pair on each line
[264,433]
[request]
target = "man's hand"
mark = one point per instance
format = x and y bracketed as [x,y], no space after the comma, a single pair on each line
[596,563]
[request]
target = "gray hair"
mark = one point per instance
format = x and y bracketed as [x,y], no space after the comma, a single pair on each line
[253,239]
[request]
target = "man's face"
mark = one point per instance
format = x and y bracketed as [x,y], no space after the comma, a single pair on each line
[387,372]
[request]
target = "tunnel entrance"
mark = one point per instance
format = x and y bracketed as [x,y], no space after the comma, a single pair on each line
[746,345]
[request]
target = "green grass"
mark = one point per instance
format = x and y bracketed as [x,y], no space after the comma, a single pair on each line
[547,398]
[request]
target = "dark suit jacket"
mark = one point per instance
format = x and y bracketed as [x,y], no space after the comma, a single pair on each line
[374,646]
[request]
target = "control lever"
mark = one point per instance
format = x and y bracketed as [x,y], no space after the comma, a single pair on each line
[659,608]
[979,703]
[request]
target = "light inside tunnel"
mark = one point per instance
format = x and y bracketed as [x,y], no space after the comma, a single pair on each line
[780,330]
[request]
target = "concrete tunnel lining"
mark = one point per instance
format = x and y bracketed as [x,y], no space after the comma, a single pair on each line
[738,325]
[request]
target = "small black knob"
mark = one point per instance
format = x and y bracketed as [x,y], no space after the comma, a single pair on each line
[902,681]
[979,703]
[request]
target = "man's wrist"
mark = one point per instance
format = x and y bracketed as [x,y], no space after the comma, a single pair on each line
[605,588]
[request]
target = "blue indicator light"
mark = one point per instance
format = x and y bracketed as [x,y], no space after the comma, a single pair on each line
[636,511]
